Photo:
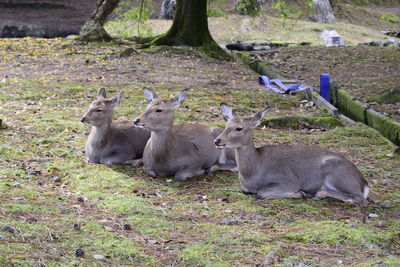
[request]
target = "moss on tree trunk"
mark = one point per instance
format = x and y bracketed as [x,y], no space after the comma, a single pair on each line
[190,27]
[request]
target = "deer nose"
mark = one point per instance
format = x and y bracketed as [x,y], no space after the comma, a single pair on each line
[136,121]
[217,141]
[83,119]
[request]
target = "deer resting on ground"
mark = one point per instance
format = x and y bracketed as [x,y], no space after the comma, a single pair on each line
[179,150]
[112,142]
[289,171]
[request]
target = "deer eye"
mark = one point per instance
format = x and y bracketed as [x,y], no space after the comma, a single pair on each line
[239,129]
[158,110]
[99,110]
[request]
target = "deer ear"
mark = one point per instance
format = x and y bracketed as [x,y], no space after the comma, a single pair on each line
[227,112]
[101,93]
[178,100]
[257,118]
[149,94]
[115,100]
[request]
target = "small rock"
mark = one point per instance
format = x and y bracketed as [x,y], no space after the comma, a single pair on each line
[229,222]
[2,238]
[57,179]
[8,229]
[79,252]
[339,246]
[80,199]
[339,262]
[384,182]
[390,155]
[16,185]
[99,257]
[127,227]
[101,198]
[32,219]
[373,215]
[77,226]
[384,205]
[381,224]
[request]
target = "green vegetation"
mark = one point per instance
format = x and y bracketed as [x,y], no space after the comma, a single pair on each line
[389,18]
[131,21]
[53,203]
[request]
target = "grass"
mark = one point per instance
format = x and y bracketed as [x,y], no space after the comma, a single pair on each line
[205,221]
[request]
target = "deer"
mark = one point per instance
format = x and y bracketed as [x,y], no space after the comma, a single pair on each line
[112,142]
[179,150]
[289,171]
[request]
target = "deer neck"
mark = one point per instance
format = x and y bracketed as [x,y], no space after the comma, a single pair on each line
[247,159]
[99,135]
[160,141]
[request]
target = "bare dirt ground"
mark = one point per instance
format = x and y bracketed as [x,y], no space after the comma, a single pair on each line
[53,203]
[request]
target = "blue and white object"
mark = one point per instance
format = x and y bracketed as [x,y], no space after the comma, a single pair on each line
[324,84]
[264,80]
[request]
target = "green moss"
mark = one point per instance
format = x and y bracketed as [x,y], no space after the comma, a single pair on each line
[261,68]
[388,127]
[350,107]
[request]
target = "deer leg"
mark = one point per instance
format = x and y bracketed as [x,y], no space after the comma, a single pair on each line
[137,162]
[223,167]
[277,191]
[324,193]
[185,173]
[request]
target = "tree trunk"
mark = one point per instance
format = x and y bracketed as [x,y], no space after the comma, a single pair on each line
[93,29]
[190,27]
[323,11]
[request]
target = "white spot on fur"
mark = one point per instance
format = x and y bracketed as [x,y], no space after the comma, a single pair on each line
[222,157]
[366,191]
[325,159]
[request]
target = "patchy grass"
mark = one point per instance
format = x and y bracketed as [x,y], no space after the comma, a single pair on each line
[266,29]
[205,221]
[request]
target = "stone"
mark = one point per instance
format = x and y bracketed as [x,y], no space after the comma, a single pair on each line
[384,182]
[127,227]
[381,224]
[43,18]
[79,252]
[384,205]
[8,229]
[229,222]
[339,246]
[373,215]
[332,38]
[2,238]
[99,257]
[168,9]
[77,226]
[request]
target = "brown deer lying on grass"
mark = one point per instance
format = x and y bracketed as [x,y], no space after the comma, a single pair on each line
[112,142]
[289,171]
[180,150]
